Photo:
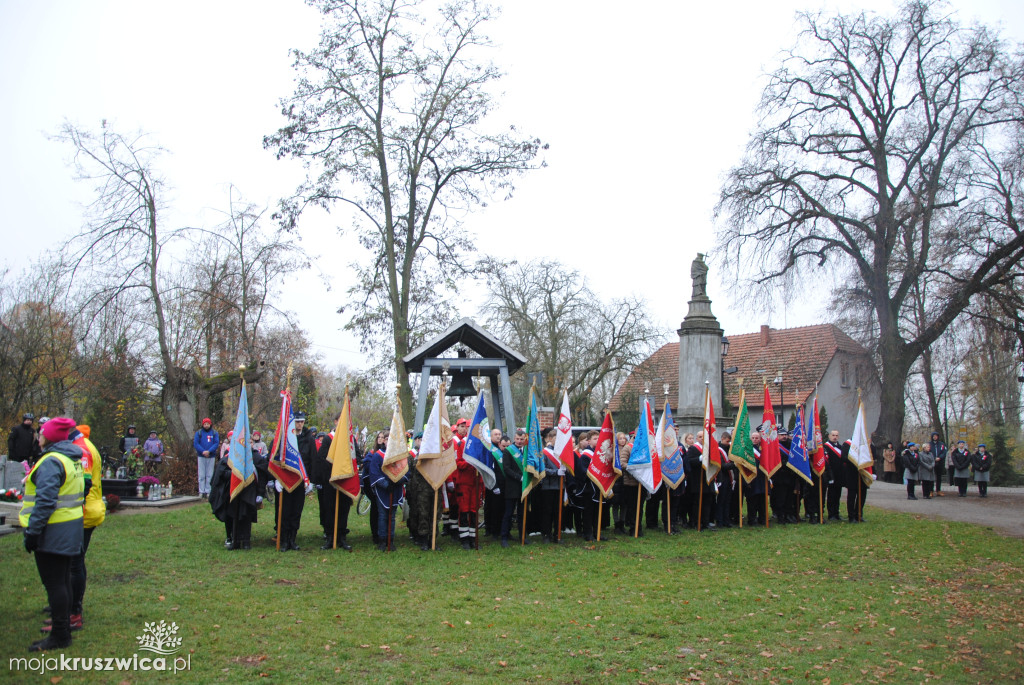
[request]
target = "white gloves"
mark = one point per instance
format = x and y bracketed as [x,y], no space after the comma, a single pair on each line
[309,488]
[450,487]
[561,471]
[277,485]
[497,491]
[259,500]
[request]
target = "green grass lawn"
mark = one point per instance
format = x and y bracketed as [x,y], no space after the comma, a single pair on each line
[899,599]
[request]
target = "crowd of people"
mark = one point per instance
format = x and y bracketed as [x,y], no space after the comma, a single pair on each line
[927,464]
[565,502]
[62,503]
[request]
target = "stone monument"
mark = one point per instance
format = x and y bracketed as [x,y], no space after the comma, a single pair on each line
[700,355]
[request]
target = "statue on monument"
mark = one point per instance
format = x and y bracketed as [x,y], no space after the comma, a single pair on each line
[699,274]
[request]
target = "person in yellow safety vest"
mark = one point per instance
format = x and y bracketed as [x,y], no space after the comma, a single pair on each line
[94,514]
[52,517]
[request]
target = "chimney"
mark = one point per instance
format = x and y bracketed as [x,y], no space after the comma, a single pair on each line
[764,335]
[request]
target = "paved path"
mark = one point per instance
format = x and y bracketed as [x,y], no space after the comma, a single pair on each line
[1003,509]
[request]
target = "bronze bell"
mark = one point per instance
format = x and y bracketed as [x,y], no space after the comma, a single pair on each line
[461,385]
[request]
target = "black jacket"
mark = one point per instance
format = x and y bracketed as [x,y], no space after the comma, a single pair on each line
[307,449]
[22,445]
[981,462]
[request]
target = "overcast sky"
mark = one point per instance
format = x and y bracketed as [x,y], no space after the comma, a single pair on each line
[645,109]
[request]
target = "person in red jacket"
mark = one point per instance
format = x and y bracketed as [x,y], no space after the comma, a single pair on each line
[469,493]
[450,523]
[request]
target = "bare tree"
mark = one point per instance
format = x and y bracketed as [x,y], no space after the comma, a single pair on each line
[884,143]
[389,115]
[547,312]
[121,249]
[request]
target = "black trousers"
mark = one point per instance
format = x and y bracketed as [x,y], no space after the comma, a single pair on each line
[911,484]
[701,506]
[940,471]
[982,488]
[755,507]
[55,572]
[548,501]
[512,507]
[326,499]
[629,496]
[961,484]
[723,504]
[588,520]
[494,510]
[833,493]
[926,487]
[655,505]
[855,494]
[811,508]
[79,575]
[292,504]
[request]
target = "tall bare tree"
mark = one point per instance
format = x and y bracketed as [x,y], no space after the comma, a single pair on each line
[884,149]
[121,256]
[389,115]
[547,312]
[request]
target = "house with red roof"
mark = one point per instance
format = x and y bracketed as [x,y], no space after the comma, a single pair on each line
[794,362]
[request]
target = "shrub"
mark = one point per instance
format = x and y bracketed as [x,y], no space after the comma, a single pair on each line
[113,503]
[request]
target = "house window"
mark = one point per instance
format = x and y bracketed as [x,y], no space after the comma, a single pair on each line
[844,374]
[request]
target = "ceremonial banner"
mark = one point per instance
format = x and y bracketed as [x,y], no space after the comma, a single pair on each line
[671,457]
[240,454]
[643,463]
[341,454]
[771,459]
[860,447]
[605,467]
[563,438]
[798,450]
[436,460]
[816,455]
[711,456]
[285,461]
[478,445]
[741,451]
[533,457]
[396,456]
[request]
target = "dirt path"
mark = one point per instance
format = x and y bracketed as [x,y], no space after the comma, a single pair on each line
[1002,510]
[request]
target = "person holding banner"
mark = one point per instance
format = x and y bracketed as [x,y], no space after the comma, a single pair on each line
[756,514]
[329,514]
[388,495]
[725,480]
[549,502]
[514,503]
[494,503]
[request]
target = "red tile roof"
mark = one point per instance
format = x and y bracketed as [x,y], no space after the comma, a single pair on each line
[801,354]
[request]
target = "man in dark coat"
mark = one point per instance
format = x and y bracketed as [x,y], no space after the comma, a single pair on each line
[326,497]
[23,441]
[293,502]
[700,504]
[837,470]
[941,453]
[513,486]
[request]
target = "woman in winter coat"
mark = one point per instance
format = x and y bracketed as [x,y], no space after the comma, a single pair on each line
[981,464]
[889,463]
[911,463]
[926,471]
[961,467]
